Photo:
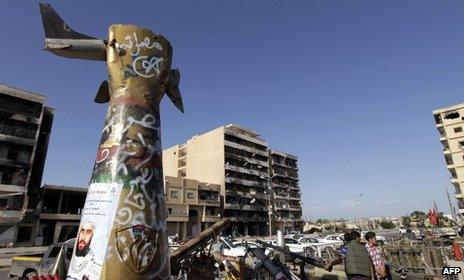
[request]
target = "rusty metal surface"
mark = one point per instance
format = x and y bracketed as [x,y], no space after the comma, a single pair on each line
[129,153]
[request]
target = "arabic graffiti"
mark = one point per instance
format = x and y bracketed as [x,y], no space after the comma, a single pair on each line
[145,43]
[141,65]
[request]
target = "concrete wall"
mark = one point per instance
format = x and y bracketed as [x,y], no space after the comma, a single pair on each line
[205,157]
[170,157]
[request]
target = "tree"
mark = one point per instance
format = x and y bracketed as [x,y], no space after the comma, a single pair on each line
[387,224]
[406,221]
[322,221]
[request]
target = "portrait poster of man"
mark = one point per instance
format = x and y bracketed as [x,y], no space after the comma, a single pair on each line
[97,218]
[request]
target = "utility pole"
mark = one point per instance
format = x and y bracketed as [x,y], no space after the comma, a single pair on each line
[122,234]
[270,188]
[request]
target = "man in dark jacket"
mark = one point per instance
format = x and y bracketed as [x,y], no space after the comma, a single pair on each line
[357,262]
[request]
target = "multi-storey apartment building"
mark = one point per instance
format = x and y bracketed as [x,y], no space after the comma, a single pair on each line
[450,124]
[192,206]
[286,190]
[236,159]
[25,125]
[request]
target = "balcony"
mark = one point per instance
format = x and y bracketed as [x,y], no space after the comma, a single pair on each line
[232,206]
[178,216]
[210,218]
[209,202]
[280,196]
[245,148]
[283,164]
[17,140]
[250,160]
[450,166]
[246,138]
[248,207]
[245,182]
[246,170]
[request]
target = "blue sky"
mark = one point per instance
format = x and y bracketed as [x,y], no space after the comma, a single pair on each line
[347,86]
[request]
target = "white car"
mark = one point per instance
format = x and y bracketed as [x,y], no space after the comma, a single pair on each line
[297,247]
[228,248]
[251,244]
[293,234]
[332,239]
[318,245]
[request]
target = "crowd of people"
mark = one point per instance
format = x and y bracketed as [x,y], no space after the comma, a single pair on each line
[364,260]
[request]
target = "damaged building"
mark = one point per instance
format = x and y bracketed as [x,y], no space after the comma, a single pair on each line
[286,190]
[449,122]
[192,206]
[238,160]
[25,126]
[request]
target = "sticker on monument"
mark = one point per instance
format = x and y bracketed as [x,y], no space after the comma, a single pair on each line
[94,231]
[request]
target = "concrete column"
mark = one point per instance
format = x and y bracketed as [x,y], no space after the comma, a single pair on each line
[178,229]
[184,230]
[60,202]
[35,231]
[246,228]
[56,234]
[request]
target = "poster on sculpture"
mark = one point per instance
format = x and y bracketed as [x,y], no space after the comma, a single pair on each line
[96,222]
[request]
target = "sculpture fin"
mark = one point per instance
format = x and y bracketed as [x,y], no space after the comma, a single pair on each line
[54,25]
[103,94]
[172,89]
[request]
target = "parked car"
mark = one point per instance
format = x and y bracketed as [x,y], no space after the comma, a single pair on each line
[297,247]
[26,266]
[316,244]
[332,239]
[293,234]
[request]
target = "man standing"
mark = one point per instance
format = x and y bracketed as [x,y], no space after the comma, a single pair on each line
[357,261]
[375,254]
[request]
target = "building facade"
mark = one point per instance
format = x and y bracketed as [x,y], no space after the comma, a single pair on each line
[192,206]
[286,190]
[238,160]
[450,124]
[25,126]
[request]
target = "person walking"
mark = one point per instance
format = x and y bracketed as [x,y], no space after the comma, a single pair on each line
[357,261]
[376,255]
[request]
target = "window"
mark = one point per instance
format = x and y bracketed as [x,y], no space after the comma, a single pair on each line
[174,194]
[458,129]
[290,241]
[24,234]
[12,154]
[451,116]
[3,203]
[169,211]
[190,195]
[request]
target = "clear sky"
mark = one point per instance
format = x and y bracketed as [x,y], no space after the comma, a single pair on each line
[347,86]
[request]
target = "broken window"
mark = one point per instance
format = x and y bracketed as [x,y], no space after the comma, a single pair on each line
[453,115]
[3,203]
[24,234]
[12,154]
[458,129]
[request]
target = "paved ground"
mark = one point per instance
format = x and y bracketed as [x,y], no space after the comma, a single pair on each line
[4,273]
